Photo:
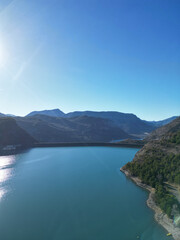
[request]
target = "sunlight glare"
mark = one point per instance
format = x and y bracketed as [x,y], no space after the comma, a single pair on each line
[6,163]
[6,169]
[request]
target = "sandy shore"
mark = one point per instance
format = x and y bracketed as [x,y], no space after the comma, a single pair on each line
[160,217]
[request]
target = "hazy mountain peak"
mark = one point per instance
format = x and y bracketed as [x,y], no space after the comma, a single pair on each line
[53,113]
[2,115]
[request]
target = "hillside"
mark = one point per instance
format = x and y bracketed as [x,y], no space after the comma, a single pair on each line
[78,129]
[12,134]
[158,163]
[128,122]
[162,122]
[164,131]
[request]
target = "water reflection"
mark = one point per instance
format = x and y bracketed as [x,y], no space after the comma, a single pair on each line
[6,161]
[6,169]
[2,192]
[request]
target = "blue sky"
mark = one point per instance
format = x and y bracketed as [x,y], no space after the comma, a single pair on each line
[119,55]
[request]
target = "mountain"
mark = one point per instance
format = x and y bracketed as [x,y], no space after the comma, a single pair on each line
[12,134]
[128,122]
[164,130]
[157,164]
[52,113]
[2,115]
[162,122]
[10,115]
[78,129]
[6,115]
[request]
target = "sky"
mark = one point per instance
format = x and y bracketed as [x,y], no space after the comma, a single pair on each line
[100,55]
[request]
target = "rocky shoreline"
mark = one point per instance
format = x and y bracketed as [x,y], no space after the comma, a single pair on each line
[160,217]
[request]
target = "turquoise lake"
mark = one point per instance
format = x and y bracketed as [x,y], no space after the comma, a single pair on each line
[73,193]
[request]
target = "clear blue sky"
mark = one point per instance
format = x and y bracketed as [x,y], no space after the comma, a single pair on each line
[121,55]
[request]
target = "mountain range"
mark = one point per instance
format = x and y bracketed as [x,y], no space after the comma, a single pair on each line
[78,129]
[117,117]
[88,126]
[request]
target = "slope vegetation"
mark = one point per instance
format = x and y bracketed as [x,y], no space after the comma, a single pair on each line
[158,163]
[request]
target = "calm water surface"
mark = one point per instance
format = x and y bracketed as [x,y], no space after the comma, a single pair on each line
[72,194]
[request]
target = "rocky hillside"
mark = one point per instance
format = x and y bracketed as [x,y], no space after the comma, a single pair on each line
[158,163]
[165,131]
[162,140]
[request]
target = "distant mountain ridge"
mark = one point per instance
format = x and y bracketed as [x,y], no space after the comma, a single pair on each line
[113,115]
[83,126]
[53,113]
[2,115]
[128,122]
[78,129]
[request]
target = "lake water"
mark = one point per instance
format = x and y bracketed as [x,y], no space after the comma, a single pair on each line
[73,193]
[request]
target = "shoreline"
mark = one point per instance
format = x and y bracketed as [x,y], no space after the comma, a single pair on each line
[91,144]
[70,144]
[159,216]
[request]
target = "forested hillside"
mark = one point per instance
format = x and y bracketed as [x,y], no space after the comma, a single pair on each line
[158,162]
